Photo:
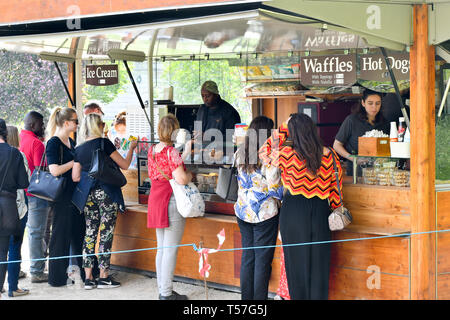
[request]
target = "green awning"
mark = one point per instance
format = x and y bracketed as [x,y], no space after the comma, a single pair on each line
[385,23]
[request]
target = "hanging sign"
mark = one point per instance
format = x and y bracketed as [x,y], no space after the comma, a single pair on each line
[328,71]
[316,39]
[102,46]
[373,67]
[102,75]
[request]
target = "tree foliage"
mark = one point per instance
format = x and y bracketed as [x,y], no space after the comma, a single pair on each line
[28,83]
[187,78]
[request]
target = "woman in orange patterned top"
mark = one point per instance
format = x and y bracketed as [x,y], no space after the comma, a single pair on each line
[308,177]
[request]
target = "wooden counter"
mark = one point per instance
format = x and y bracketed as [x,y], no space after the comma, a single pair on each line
[377,212]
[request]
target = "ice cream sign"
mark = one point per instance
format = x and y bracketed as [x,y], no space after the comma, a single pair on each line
[328,71]
[373,67]
[102,75]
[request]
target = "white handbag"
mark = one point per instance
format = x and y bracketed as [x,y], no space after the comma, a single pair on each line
[189,201]
[340,217]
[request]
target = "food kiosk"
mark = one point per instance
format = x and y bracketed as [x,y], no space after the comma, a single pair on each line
[406,258]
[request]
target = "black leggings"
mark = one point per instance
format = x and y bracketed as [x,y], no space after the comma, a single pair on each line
[305,220]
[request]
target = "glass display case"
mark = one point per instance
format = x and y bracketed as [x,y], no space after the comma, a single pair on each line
[205,177]
[382,171]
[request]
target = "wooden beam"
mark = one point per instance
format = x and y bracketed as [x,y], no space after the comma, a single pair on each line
[39,10]
[423,203]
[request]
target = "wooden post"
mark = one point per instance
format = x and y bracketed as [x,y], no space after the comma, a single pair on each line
[423,203]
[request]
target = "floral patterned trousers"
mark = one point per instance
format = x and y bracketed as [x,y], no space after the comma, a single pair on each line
[101,216]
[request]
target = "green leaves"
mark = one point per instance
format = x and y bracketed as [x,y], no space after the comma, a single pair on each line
[443,149]
[27,83]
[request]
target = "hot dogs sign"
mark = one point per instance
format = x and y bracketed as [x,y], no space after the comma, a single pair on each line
[373,67]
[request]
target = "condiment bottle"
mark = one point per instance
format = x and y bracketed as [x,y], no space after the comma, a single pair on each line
[407,136]
[401,129]
[393,136]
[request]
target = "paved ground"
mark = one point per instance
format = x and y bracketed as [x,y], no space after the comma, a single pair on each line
[134,286]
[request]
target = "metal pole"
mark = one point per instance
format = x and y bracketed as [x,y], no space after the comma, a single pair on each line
[137,93]
[65,85]
[394,82]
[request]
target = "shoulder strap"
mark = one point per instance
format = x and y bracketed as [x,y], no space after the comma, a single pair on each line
[44,155]
[336,173]
[61,154]
[156,163]
[7,168]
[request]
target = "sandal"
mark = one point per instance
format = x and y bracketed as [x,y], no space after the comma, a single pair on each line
[19,292]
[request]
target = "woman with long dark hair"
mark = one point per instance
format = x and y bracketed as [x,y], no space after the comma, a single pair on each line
[366,118]
[13,176]
[256,209]
[308,178]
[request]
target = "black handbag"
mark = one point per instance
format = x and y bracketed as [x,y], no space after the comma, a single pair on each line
[227,184]
[44,185]
[104,169]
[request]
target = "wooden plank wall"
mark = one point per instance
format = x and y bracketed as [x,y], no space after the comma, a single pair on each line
[132,233]
[354,263]
[443,245]
[379,209]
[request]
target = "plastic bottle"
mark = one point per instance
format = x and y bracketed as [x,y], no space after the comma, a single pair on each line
[407,136]
[393,136]
[401,129]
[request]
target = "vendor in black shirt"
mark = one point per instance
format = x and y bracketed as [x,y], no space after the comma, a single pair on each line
[215,113]
[367,118]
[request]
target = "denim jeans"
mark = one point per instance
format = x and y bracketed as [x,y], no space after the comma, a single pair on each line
[37,223]
[166,258]
[15,246]
[256,264]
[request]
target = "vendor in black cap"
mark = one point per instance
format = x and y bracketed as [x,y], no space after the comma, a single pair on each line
[216,113]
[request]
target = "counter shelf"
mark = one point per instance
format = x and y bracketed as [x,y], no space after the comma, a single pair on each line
[384,171]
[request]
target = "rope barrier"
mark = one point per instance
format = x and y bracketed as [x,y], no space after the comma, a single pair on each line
[198,249]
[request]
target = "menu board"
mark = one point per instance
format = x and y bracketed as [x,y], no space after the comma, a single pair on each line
[328,71]
[373,67]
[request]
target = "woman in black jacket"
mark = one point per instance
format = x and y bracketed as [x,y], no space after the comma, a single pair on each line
[12,177]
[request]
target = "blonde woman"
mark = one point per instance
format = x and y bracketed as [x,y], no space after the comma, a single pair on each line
[99,201]
[60,150]
[165,161]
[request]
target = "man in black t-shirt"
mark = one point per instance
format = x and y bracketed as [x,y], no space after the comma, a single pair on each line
[216,113]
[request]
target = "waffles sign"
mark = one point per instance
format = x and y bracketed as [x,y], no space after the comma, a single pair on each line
[102,75]
[328,71]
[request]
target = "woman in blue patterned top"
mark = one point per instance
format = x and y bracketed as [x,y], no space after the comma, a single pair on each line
[256,209]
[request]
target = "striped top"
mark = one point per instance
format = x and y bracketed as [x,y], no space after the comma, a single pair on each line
[295,176]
